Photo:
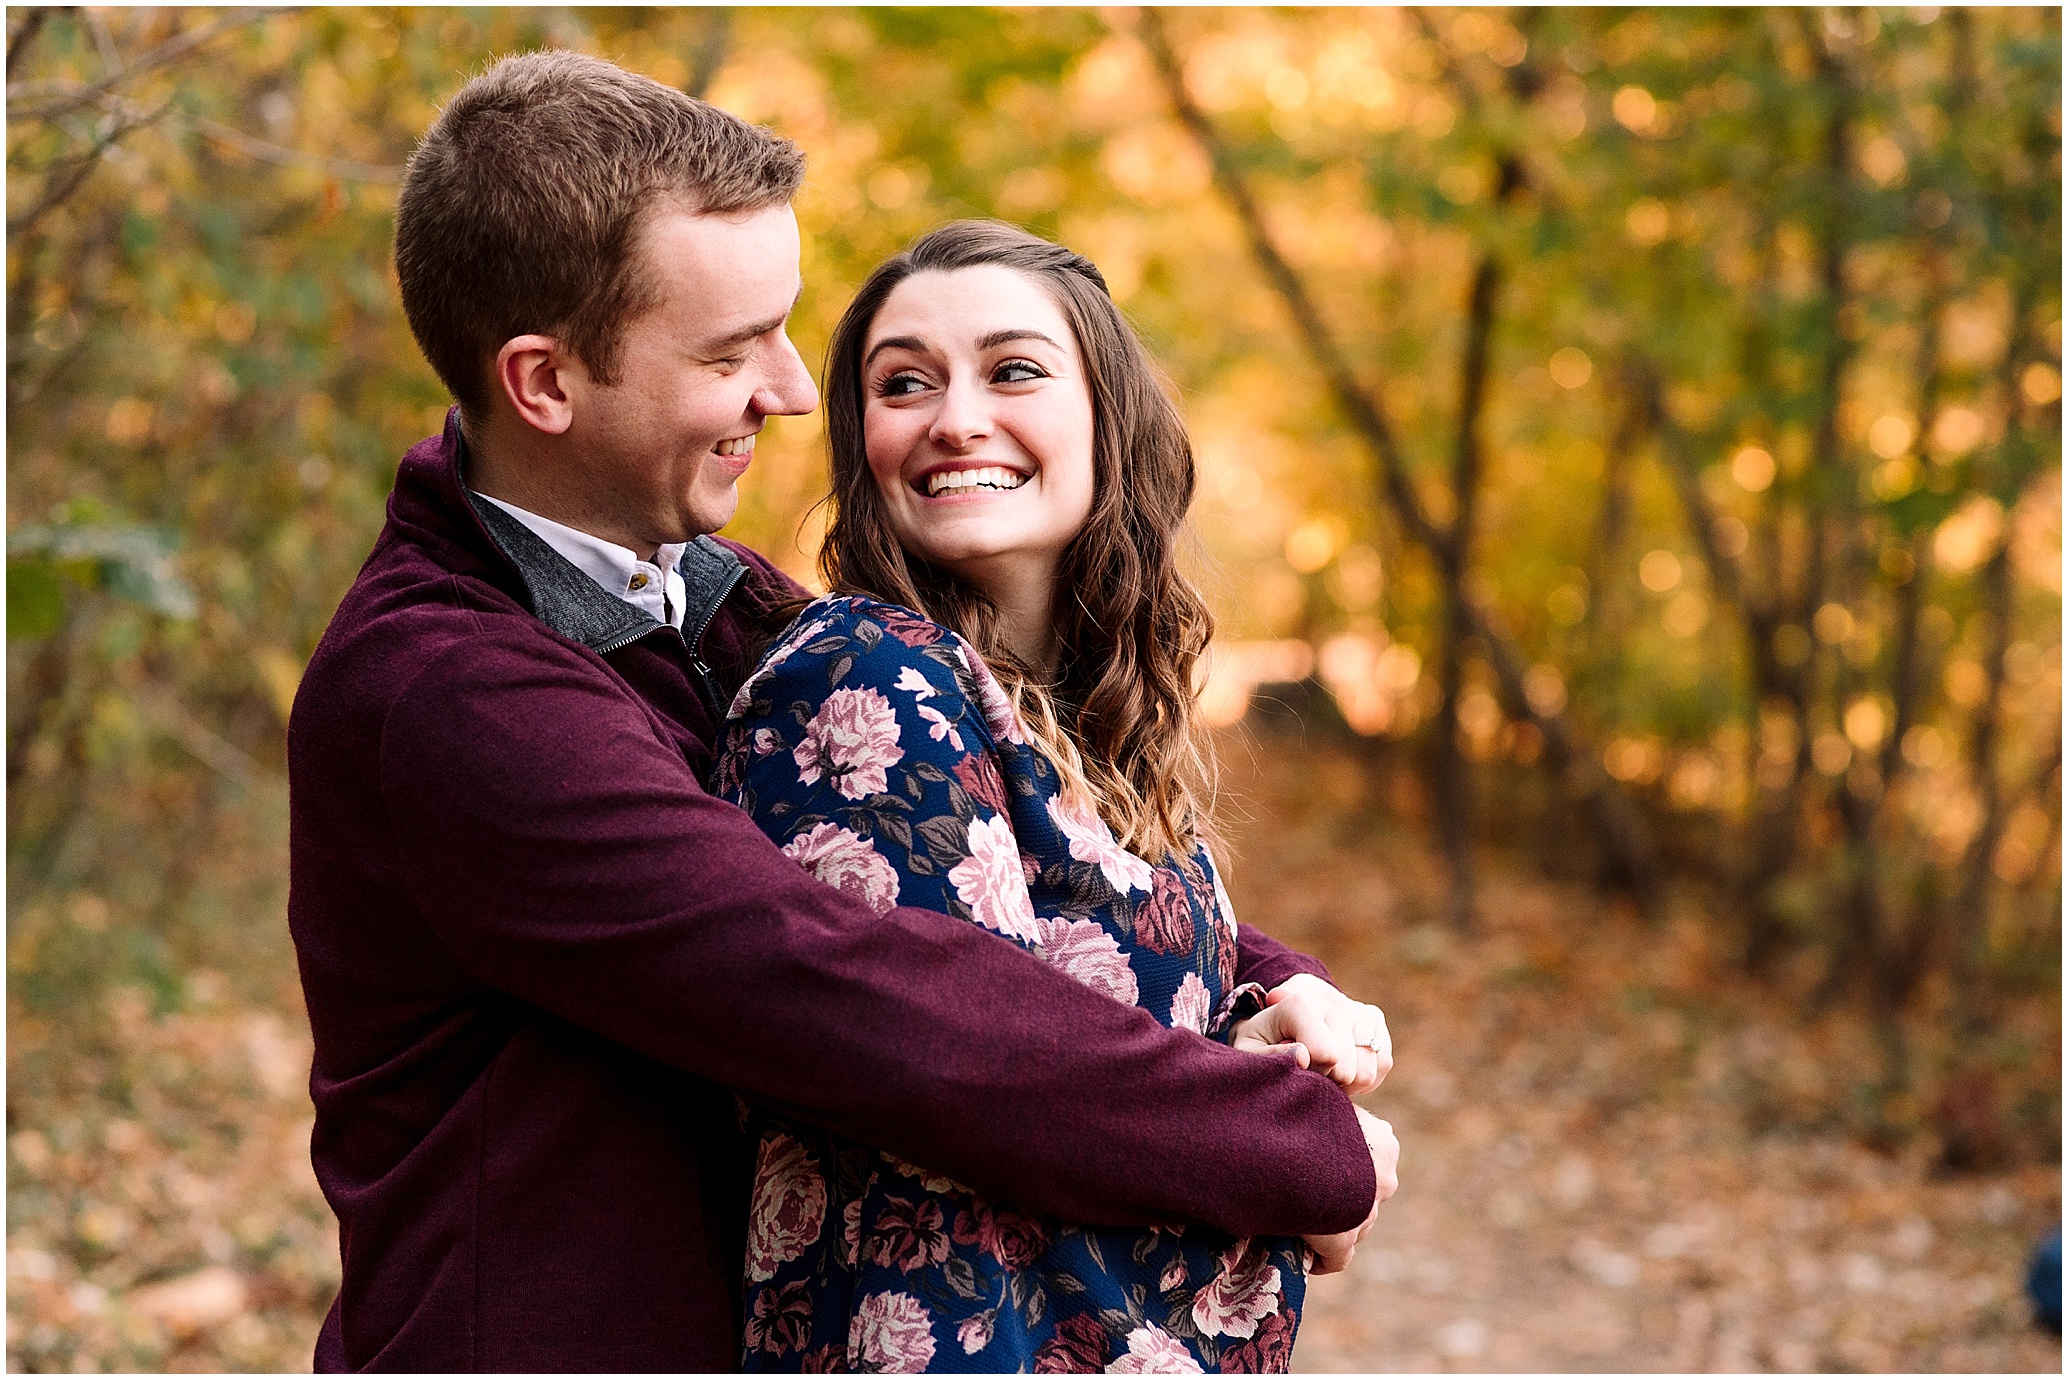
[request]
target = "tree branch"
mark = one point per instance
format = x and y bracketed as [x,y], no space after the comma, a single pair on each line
[1908,676]
[346,169]
[710,54]
[65,181]
[1362,407]
[1624,835]
[23,32]
[1622,830]
[203,743]
[62,98]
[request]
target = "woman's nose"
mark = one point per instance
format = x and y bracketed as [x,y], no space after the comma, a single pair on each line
[963,418]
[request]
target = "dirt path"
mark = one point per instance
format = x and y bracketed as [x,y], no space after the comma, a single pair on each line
[1581,1191]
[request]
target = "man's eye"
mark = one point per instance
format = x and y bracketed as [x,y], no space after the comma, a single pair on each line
[1018,371]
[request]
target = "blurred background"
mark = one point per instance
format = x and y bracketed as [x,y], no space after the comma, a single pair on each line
[1629,453]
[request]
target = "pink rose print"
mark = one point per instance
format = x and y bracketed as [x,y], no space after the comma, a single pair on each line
[1084,950]
[1224,958]
[1269,1352]
[1232,995]
[851,1234]
[1152,1351]
[979,776]
[908,1236]
[912,1258]
[938,726]
[1223,904]
[1241,1296]
[846,861]
[830,1359]
[1091,841]
[975,1333]
[780,1318]
[990,882]
[1077,1348]
[1013,1239]
[909,628]
[1192,1007]
[1225,918]
[852,738]
[999,715]
[789,1206]
[1164,922]
[732,757]
[928,1180]
[890,1332]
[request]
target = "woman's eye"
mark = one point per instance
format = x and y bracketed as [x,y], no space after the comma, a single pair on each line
[1018,371]
[898,385]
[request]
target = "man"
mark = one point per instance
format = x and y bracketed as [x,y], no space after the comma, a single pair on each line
[539,960]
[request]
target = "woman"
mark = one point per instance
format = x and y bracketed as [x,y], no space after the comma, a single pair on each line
[993,717]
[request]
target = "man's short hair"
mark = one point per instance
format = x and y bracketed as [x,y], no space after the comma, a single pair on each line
[522,209]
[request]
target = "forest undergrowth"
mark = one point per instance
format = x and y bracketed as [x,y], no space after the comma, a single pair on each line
[1617,1155]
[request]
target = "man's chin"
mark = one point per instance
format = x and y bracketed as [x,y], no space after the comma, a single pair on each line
[713,512]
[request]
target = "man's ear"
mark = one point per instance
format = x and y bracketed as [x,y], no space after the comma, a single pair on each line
[535,374]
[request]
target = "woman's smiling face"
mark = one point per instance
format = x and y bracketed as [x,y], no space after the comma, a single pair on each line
[977,423]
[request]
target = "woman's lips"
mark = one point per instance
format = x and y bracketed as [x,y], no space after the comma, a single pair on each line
[969,480]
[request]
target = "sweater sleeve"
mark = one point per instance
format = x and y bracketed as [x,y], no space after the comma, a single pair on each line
[1262,960]
[567,855]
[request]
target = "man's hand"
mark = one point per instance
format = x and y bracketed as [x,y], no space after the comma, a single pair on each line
[1333,1253]
[1326,1031]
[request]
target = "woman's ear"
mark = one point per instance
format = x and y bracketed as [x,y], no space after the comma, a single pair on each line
[537,375]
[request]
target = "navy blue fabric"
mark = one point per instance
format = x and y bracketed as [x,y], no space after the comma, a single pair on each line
[2043,1283]
[877,748]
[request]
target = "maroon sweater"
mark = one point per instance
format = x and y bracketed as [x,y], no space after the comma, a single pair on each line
[539,960]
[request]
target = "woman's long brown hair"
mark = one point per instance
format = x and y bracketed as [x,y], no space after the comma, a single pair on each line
[1120,718]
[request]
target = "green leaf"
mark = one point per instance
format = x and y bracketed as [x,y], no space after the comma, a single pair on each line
[35,599]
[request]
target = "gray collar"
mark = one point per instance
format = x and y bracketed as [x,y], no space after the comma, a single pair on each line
[575,606]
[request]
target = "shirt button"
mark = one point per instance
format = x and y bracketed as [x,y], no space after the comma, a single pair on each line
[639,581]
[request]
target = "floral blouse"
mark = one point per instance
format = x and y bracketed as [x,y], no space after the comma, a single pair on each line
[878,749]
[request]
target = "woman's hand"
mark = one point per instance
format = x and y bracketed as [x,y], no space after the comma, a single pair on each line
[1320,1028]
[1333,1253]
[1323,1030]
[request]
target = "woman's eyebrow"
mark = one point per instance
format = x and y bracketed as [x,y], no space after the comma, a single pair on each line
[918,346]
[997,338]
[894,342]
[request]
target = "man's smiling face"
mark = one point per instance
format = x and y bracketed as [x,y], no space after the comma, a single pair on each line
[662,449]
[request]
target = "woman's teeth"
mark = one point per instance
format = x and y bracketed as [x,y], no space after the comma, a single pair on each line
[957,481]
[740,445]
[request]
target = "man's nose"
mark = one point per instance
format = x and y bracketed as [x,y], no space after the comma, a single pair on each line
[788,390]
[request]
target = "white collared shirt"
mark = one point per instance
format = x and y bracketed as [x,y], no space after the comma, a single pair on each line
[654,587]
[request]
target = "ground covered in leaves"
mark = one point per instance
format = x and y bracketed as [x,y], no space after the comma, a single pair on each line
[1616,1155]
